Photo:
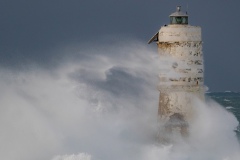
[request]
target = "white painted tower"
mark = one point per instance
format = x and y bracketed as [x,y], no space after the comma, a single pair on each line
[180,46]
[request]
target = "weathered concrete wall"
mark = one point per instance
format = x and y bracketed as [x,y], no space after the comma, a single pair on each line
[179,33]
[184,78]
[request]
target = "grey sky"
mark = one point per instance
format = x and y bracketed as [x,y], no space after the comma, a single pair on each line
[30,29]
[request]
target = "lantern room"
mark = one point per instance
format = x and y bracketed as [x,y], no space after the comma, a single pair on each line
[179,17]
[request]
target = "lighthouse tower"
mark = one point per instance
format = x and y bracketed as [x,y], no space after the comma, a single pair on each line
[180,47]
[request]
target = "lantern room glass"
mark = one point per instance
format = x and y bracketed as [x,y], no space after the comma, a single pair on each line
[179,20]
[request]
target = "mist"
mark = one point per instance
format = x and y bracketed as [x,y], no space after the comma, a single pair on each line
[99,102]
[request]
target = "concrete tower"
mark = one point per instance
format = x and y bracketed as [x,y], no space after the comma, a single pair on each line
[180,45]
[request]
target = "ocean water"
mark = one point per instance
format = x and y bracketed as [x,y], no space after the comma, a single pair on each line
[230,101]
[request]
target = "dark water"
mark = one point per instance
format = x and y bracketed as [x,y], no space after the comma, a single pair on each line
[230,101]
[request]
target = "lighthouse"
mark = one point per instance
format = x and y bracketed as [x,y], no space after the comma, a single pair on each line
[180,48]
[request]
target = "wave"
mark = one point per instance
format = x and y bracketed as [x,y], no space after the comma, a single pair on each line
[226,100]
[229,107]
[103,107]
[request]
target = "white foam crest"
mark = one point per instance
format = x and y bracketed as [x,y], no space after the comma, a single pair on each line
[229,107]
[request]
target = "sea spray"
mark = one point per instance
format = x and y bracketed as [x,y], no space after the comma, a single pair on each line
[80,156]
[102,107]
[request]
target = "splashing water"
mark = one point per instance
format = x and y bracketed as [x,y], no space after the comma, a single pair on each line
[81,156]
[102,105]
